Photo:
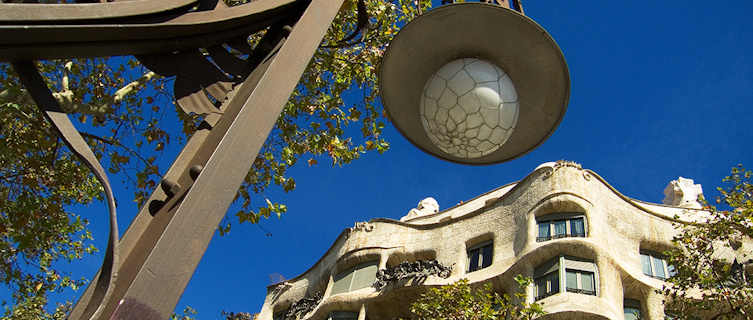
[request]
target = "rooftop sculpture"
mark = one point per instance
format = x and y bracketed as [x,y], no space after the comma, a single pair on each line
[425,207]
[683,192]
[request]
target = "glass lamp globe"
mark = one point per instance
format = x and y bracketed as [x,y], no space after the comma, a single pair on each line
[469,108]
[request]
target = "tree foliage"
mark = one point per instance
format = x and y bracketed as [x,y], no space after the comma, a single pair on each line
[459,301]
[710,259]
[188,313]
[122,109]
[334,111]
[238,315]
[40,179]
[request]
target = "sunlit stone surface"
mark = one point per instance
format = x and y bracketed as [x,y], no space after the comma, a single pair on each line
[469,108]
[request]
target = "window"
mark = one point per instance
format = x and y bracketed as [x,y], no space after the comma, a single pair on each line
[547,285]
[574,274]
[361,276]
[343,315]
[632,309]
[654,265]
[280,315]
[480,256]
[561,226]
[580,281]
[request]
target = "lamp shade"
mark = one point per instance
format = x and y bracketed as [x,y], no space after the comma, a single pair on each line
[474,83]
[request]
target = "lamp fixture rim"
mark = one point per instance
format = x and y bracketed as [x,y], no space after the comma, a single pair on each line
[548,60]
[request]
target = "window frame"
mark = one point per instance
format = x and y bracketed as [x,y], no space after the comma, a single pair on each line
[557,268]
[579,284]
[480,247]
[653,257]
[549,280]
[567,218]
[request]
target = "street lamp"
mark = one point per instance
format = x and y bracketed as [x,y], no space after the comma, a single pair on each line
[474,83]
[471,83]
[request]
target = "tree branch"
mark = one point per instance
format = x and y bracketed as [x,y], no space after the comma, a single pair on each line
[66,97]
[115,143]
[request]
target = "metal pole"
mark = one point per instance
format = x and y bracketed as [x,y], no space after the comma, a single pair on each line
[161,252]
[170,265]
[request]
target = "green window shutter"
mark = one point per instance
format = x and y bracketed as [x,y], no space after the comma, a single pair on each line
[572,279]
[587,281]
[361,276]
[342,282]
[365,275]
[646,264]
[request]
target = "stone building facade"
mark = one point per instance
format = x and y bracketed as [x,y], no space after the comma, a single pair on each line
[593,252]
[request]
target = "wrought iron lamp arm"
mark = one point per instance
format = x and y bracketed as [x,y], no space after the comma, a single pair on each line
[42,96]
[144,273]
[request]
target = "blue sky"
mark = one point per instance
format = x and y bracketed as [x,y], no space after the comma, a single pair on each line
[659,89]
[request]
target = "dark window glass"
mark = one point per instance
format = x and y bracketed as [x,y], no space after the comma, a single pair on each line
[577,278]
[568,226]
[547,285]
[486,256]
[544,231]
[541,288]
[560,229]
[473,266]
[480,257]
[279,315]
[554,282]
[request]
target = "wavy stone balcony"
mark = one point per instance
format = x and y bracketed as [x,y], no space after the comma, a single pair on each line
[616,229]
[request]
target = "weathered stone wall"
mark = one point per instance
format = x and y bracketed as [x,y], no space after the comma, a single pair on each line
[617,229]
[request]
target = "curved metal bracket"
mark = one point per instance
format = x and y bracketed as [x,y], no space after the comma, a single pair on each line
[103,284]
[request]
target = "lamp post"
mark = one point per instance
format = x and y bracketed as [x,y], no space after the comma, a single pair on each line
[474,83]
[146,270]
